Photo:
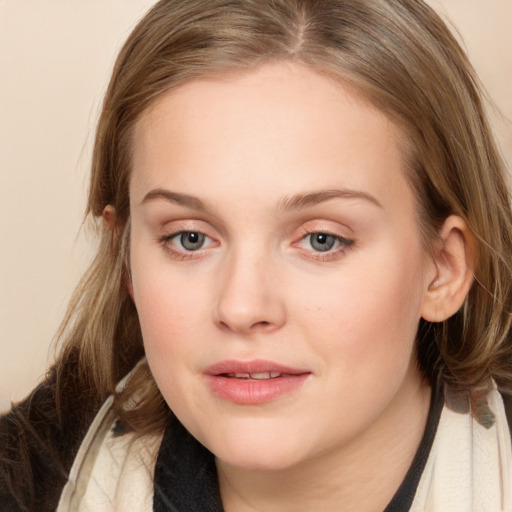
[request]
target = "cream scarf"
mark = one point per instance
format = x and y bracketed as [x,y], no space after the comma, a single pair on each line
[469,468]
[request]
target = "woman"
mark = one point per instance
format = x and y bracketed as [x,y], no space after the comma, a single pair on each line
[303,270]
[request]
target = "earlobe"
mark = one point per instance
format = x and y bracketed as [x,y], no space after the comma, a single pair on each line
[452,271]
[129,285]
[109,217]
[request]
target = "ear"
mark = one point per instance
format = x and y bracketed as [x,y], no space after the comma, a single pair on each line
[451,274]
[129,286]
[109,217]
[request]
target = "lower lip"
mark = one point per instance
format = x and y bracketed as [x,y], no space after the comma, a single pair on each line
[253,392]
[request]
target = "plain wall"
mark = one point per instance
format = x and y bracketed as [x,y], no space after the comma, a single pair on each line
[55,60]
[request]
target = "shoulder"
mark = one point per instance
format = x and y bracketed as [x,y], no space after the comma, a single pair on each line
[112,470]
[506,395]
[472,444]
[39,438]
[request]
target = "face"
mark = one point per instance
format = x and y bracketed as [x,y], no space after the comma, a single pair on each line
[277,266]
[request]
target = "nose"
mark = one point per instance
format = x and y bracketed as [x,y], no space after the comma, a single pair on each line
[250,296]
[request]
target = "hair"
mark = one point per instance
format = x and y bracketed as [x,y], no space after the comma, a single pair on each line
[398,55]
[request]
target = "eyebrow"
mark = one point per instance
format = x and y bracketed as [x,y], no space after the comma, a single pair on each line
[295,202]
[302,201]
[176,198]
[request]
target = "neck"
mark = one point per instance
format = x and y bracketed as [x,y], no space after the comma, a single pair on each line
[362,475]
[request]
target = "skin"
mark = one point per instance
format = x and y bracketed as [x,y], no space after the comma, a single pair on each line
[246,147]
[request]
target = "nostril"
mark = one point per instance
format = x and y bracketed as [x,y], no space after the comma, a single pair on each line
[263,323]
[248,312]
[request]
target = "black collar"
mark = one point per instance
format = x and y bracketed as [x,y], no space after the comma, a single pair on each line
[186,476]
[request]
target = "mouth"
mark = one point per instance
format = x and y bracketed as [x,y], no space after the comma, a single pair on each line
[254,382]
[253,376]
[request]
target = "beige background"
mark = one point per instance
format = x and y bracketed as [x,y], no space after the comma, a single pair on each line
[55,58]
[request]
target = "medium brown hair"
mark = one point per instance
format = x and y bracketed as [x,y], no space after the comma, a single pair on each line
[400,56]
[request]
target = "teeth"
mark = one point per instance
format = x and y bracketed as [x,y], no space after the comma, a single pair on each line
[255,376]
[261,376]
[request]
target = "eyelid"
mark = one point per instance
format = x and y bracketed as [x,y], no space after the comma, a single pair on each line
[344,243]
[344,246]
[179,234]
[340,239]
[167,238]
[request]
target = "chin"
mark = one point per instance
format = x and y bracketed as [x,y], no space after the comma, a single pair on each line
[258,461]
[262,451]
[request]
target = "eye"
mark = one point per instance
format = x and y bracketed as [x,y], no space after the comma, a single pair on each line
[324,242]
[324,246]
[183,244]
[321,241]
[190,240]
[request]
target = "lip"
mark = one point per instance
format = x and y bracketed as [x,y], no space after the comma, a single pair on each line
[223,383]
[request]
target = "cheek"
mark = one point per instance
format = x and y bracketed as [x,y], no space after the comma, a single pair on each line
[370,311]
[166,295]
[166,304]
[168,316]
[169,320]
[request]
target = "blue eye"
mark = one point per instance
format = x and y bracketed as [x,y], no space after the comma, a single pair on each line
[322,241]
[187,245]
[190,240]
[324,244]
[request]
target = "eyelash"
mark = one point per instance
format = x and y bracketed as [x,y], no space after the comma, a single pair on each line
[344,245]
[184,254]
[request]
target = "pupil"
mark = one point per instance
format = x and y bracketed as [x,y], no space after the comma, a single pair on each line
[192,240]
[322,241]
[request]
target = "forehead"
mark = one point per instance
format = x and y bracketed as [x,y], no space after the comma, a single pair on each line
[278,129]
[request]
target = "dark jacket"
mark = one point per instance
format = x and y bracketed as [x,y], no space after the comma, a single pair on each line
[38,444]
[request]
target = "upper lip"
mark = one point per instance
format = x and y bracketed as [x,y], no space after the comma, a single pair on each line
[255,366]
